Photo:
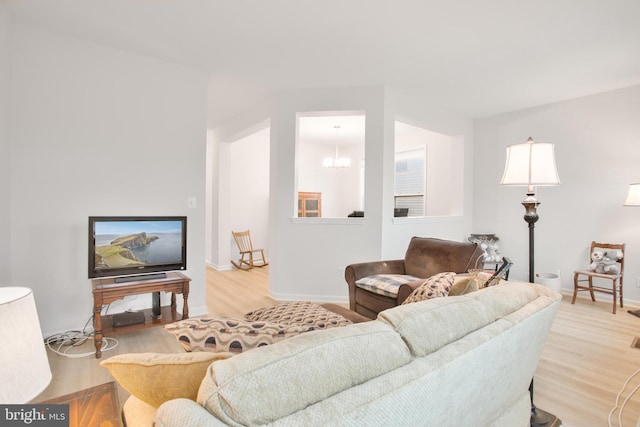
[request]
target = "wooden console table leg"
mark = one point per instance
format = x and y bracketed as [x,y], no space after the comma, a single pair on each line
[97,329]
[185,304]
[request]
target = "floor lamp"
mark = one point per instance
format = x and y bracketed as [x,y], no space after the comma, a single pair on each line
[633,200]
[530,165]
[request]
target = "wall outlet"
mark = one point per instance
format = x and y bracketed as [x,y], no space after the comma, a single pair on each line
[638,282]
[191,202]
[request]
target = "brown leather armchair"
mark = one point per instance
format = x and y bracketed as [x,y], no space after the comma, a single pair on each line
[424,258]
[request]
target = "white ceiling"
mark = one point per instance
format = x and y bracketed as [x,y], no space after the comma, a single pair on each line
[476,58]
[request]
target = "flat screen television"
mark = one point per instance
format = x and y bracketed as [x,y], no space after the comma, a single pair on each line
[136,245]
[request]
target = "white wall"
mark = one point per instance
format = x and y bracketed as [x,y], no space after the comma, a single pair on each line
[340,187]
[439,175]
[428,115]
[597,151]
[249,192]
[442,157]
[312,177]
[5,159]
[97,131]
[307,258]
[218,240]
[348,185]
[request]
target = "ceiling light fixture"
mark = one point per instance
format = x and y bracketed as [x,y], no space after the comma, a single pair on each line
[336,162]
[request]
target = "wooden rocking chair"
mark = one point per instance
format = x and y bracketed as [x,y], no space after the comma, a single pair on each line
[243,240]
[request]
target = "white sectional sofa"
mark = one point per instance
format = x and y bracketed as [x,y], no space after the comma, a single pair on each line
[455,361]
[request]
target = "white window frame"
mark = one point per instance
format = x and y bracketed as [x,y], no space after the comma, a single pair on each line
[410,185]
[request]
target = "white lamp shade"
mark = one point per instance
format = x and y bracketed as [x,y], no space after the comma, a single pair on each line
[633,197]
[530,164]
[24,371]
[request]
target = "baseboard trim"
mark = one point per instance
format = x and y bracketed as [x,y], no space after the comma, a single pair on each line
[599,297]
[337,299]
[217,267]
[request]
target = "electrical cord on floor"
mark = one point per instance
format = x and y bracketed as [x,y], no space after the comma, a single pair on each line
[624,403]
[63,342]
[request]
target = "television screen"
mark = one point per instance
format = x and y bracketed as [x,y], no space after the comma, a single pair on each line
[136,245]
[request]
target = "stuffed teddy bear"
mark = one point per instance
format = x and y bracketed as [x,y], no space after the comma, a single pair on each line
[605,262]
[491,251]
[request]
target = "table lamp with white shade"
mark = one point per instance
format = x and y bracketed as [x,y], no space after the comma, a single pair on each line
[633,196]
[24,371]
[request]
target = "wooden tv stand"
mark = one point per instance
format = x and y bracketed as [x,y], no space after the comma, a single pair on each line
[107,290]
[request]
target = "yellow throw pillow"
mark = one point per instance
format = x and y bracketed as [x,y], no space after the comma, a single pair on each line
[482,278]
[463,285]
[155,378]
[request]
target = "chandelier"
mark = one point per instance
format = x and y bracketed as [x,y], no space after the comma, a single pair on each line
[336,162]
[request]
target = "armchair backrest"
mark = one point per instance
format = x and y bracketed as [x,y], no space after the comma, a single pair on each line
[427,256]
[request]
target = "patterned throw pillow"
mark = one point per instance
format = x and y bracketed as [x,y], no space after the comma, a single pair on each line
[385,284]
[299,313]
[435,286]
[223,334]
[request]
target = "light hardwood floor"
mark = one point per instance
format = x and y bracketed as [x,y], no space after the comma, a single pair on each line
[586,360]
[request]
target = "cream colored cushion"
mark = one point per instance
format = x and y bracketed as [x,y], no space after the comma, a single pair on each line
[427,326]
[506,298]
[451,318]
[183,413]
[155,378]
[266,384]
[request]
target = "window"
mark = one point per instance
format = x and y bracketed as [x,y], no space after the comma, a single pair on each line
[410,183]
[428,172]
[330,162]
